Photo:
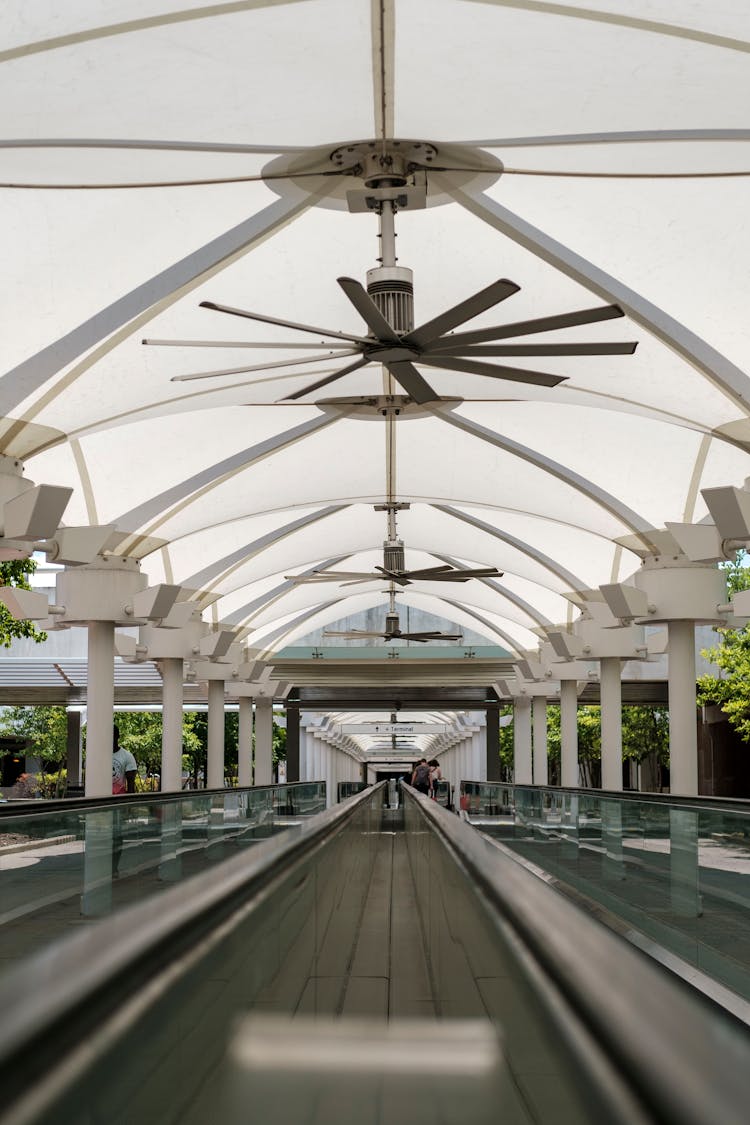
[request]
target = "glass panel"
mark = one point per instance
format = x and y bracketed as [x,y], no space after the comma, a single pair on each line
[289,955]
[76,863]
[475,972]
[677,873]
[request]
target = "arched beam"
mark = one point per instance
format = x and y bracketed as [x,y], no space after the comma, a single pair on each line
[505,637]
[146,146]
[534,553]
[497,588]
[165,504]
[245,613]
[382,19]
[362,548]
[630,519]
[107,31]
[720,371]
[288,626]
[29,375]
[619,20]
[619,137]
[225,565]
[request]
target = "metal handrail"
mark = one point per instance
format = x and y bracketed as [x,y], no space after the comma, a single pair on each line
[34,807]
[85,978]
[705,804]
[686,1058]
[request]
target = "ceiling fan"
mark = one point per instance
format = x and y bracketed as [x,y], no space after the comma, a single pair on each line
[394,568]
[392,632]
[387,308]
[435,345]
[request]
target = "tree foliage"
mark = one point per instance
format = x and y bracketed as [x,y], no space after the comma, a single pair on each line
[45,727]
[731,690]
[16,573]
[140,733]
[645,730]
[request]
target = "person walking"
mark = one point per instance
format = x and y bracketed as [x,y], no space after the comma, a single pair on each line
[124,767]
[420,778]
[436,775]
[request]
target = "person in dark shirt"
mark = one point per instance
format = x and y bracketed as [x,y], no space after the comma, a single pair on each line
[420,778]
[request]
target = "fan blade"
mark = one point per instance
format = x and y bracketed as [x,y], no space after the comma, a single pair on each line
[450,574]
[260,367]
[394,576]
[328,379]
[465,310]
[461,576]
[354,633]
[291,346]
[417,388]
[626,348]
[478,572]
[425,571]
[494,371]
[328,576]
[424,637]
[282,323]
[528,327]
[369,311]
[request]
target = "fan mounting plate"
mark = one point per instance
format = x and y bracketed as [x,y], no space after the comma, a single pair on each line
[373,408]
[356,160]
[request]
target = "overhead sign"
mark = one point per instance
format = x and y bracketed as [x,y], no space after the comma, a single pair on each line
[411,729]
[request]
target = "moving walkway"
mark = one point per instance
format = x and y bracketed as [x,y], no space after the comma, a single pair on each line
[670,873]
[367,965]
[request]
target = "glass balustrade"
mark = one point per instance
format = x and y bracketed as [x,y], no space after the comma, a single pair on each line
[77,861]
[677,872]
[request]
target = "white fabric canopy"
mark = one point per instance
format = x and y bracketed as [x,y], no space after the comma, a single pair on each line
[622,146]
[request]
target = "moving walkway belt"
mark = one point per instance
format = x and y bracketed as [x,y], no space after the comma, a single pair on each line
[170,1011]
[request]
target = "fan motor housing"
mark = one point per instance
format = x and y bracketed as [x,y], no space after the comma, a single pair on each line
[393,555]
[392,290]
[392,626]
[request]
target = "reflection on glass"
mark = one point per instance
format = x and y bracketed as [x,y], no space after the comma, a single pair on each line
[679,874]
[61,866]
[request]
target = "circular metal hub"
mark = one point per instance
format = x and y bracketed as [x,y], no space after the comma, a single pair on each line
[385,165]
[373,408]
[362,163]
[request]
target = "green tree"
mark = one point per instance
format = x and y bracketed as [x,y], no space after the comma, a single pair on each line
[141,734]
[16,573]
[45,727]
[645,730]
[731,690]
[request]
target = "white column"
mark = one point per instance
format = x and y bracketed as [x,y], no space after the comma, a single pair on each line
[100,707]
[539,718]
[332,774]
[522,740]
[263,741]
[215,766]
[480,755]
[683,734]
[466,759]
[171,727]
[569,734]
[448,766]
[245,742]
[611,712]
[303,775]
